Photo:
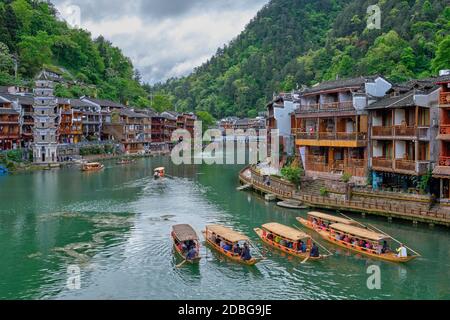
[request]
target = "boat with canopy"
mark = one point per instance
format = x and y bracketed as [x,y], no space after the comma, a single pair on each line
[321,221]
[92,166]
[186,243]
[363,241]
[159,173]
[225,240]
[288,240]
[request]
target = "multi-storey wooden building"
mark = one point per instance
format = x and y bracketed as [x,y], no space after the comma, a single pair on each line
[331,125]
[9,125]
[442,170]
[401,133]
[23,103]
[71,124]
[170,125]
[91,118]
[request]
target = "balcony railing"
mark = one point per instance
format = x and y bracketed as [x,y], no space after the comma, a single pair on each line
[444,161]
[382,163]
[444,99]
[444,129]
[327,107]
[401,132]
[354,136]
[404,131]
[410,166]
[405,165]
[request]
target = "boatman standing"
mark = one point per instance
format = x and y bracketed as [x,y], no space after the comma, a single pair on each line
[402,252]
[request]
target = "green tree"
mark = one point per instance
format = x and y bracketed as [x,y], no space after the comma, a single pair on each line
[442,59]
[35,52]
[292,174]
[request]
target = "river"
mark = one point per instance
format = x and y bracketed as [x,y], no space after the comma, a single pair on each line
[114,227]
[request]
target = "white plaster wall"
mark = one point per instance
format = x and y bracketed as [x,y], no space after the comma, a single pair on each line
[283,118]
[400,149]
[349,127]
[359,102]
[377,121]
[377,149]
[400,115]
[378,88]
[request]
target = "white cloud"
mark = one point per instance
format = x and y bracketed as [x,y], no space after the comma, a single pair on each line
[172,43]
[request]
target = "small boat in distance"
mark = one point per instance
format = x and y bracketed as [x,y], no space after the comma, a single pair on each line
[92,166]
[225,240]
[292,204]
[159,173]
[125,161]
[363,241]
[186,243]
[288,240]
[321,221]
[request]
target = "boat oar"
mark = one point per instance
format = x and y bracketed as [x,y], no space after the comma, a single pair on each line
[364,226]
[181,264]
[395,240]
[304,261]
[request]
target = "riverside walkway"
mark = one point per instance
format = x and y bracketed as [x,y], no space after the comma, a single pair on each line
[285,191]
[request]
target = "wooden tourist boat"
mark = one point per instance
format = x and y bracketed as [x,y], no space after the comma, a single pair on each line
[214,234]
[359,234]
[315,220]
[92,166]
[125,161]
[159,173]
[184,234]
[291,204]
[270,231]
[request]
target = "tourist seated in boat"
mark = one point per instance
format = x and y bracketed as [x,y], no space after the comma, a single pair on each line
[192,253]
[270,236]
[402,252]
[386,248]
[278,239]
[237,249]
[303,247]
[246,254]
[315,251]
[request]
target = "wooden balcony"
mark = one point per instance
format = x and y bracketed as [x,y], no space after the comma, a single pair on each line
[444,161]
[405,165]
[327,107]
[382,163]
[444,131]
[331,139]
[401,166]
[400,132]
[444,99]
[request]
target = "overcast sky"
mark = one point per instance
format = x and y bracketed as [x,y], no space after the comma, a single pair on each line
[164,38]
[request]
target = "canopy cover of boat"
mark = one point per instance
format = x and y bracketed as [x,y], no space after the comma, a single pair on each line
[227,233]
[359,232]
[285,231]
[185,232]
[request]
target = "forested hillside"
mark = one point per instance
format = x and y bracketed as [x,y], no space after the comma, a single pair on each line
[31,33]
[292,43]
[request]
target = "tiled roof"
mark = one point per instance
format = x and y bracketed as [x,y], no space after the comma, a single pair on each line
[77,103]
[25,99]
[8,111]
[337,84]
[403,100]
[131,114]
[105,103]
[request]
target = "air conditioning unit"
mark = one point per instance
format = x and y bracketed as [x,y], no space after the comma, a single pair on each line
[445,72]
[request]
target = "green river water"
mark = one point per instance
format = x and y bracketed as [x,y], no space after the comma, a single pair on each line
[115,225]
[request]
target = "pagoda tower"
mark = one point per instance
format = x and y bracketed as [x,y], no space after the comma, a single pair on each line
[45,121]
